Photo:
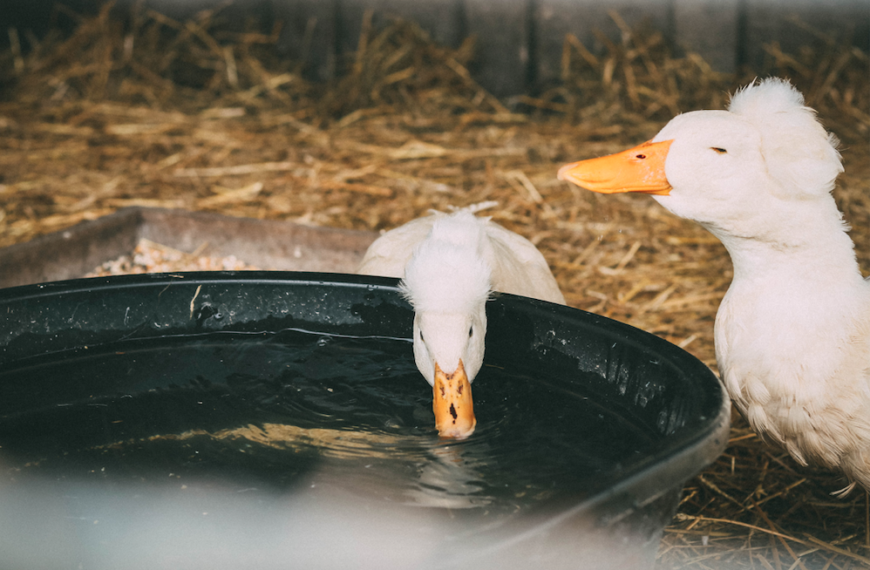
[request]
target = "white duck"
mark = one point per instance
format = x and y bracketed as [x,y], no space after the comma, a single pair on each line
[793,332]
[449,264]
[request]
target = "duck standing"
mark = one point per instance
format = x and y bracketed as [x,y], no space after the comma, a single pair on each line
[792,333]
[449,265]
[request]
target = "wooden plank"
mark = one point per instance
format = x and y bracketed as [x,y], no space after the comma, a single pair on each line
[519,41]
[178,10]
[772,21]
[235,16]
[553,19]
[268,244]
[709,28]
[442,19]
[502,50]
[70,253]
[308,35]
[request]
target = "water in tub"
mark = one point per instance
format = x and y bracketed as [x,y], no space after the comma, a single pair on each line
[315,447]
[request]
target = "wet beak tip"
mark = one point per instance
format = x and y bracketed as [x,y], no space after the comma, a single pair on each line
[452,404]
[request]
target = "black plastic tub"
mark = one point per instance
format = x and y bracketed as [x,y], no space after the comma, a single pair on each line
[277,420]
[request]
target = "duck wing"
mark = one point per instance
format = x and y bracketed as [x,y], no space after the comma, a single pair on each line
[518,267]
[389,254]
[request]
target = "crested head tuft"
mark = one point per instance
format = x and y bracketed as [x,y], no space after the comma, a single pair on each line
[771,95]
[799,153]
[448,272]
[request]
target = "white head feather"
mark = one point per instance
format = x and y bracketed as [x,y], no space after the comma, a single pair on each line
[806,158]
[767,158]
[448,282]
[447,272]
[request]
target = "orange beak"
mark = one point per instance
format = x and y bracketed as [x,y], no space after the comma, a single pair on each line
[638,169]
[454,410]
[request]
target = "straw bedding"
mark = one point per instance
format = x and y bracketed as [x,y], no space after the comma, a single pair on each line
[138,109]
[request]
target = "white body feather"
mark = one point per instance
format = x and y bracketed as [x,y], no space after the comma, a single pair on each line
[793,332]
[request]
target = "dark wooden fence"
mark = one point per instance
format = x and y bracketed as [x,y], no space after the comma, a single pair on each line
[519,42]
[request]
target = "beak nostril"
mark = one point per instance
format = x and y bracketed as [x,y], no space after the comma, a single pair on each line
[641,156]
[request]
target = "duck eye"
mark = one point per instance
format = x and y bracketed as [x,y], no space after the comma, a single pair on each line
[470,332]
[421,337]
[720,150]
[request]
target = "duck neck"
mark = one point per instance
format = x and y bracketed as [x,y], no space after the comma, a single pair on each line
[805,241]
[793,309]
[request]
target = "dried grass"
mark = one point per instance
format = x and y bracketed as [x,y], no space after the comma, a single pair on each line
[138,109]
